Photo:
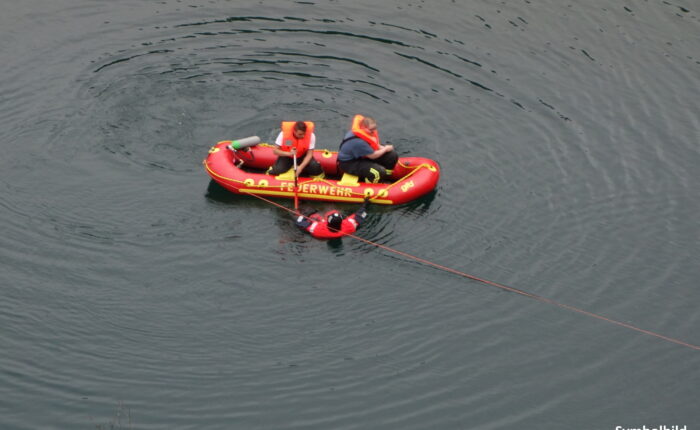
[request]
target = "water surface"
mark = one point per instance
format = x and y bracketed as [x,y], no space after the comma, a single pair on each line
[136,293]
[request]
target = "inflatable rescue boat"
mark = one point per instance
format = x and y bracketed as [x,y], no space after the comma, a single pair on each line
[241,166]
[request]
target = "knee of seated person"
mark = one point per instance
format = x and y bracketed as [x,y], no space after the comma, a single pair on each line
[315,169]
[376,174]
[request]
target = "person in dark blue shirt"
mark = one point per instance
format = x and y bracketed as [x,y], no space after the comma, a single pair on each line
[361,154]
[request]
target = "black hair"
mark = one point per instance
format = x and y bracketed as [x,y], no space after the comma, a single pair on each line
[335,220]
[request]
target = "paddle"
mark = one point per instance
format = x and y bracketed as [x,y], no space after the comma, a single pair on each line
[296,187]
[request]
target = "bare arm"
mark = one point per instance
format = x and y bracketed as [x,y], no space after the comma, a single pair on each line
[278,152]
[305,162]
[381,151]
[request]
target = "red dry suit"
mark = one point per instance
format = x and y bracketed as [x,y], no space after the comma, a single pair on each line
[317,225]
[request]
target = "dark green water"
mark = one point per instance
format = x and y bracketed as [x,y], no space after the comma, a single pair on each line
[134,293]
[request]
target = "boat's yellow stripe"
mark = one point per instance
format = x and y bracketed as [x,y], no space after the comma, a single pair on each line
[308,195]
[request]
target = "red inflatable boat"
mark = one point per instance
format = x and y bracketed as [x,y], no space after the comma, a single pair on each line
[242,171]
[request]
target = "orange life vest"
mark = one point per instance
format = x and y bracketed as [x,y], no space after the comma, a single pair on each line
[289,141]
[371,138]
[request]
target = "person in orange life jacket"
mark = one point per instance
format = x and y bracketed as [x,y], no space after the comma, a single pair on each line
[362,155]
[332,224]
[296,138]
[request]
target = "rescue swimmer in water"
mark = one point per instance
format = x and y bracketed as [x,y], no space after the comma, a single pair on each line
[332,224]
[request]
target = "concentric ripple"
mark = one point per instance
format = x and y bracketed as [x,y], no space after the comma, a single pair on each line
[567,140]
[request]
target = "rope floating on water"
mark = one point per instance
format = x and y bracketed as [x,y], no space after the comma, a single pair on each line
[507,288]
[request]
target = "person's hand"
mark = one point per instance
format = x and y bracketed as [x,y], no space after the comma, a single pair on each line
[293,151]
[389,148]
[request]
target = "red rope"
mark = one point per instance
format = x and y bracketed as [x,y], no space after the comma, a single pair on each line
[505,287]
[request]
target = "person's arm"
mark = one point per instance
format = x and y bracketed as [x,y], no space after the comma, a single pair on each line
[305,162]
[303,222]
[309,153]
[306,218]
[278,149]
[278,152]
[361,215]
[379,152]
